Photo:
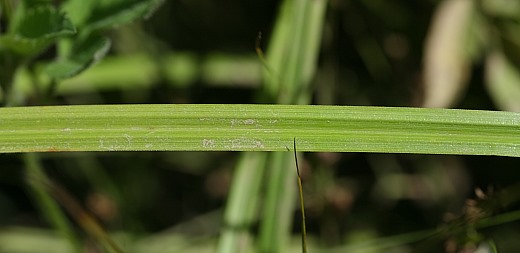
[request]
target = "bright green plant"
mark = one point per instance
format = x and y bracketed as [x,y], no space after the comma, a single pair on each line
[258,128]
[76,28]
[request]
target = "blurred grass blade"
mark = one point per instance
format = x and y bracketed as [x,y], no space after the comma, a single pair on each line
[48,194]
[258,128]
[384,244]
[242,205]
[503,82]
[292,55]
[83,218]
[279,204]
[446,60]
[293,50]
[37,181]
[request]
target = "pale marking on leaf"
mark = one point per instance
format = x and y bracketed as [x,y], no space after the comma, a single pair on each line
[208,143]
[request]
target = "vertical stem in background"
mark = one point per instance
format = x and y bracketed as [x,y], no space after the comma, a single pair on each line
[292,78]
[96,174]
[312,37]
[295,47]
[6,8]
[36,180]
[242,203]
[9,64]
[48,195]
[279,204]
[276,53]
[291,59]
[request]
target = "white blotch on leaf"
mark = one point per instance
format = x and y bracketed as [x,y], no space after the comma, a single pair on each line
[208,143]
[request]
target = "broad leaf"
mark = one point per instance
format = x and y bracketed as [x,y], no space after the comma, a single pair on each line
[83,56]
[79,11]
[38,27]
[110,13]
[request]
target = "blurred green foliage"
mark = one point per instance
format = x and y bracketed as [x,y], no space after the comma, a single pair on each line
[450,53]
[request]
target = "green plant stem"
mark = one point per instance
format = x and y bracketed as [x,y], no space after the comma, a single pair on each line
[6,6]
[9,63]
[241,208]
[279,203]
[36,180]
[385,243]
[292,54]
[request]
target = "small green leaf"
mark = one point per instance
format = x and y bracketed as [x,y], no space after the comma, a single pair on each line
[111,13]
[79,11]
[22,45]
[38,27]
[43,22]
[63,69]
[83,56]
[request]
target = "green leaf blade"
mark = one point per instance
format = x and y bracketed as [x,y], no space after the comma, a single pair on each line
[258,128]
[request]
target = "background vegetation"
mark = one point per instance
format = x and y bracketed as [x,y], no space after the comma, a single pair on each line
[453,53]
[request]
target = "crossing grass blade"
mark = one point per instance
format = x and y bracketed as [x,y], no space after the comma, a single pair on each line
[258,128]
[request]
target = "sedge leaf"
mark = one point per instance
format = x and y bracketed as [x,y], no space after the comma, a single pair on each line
[259,128]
